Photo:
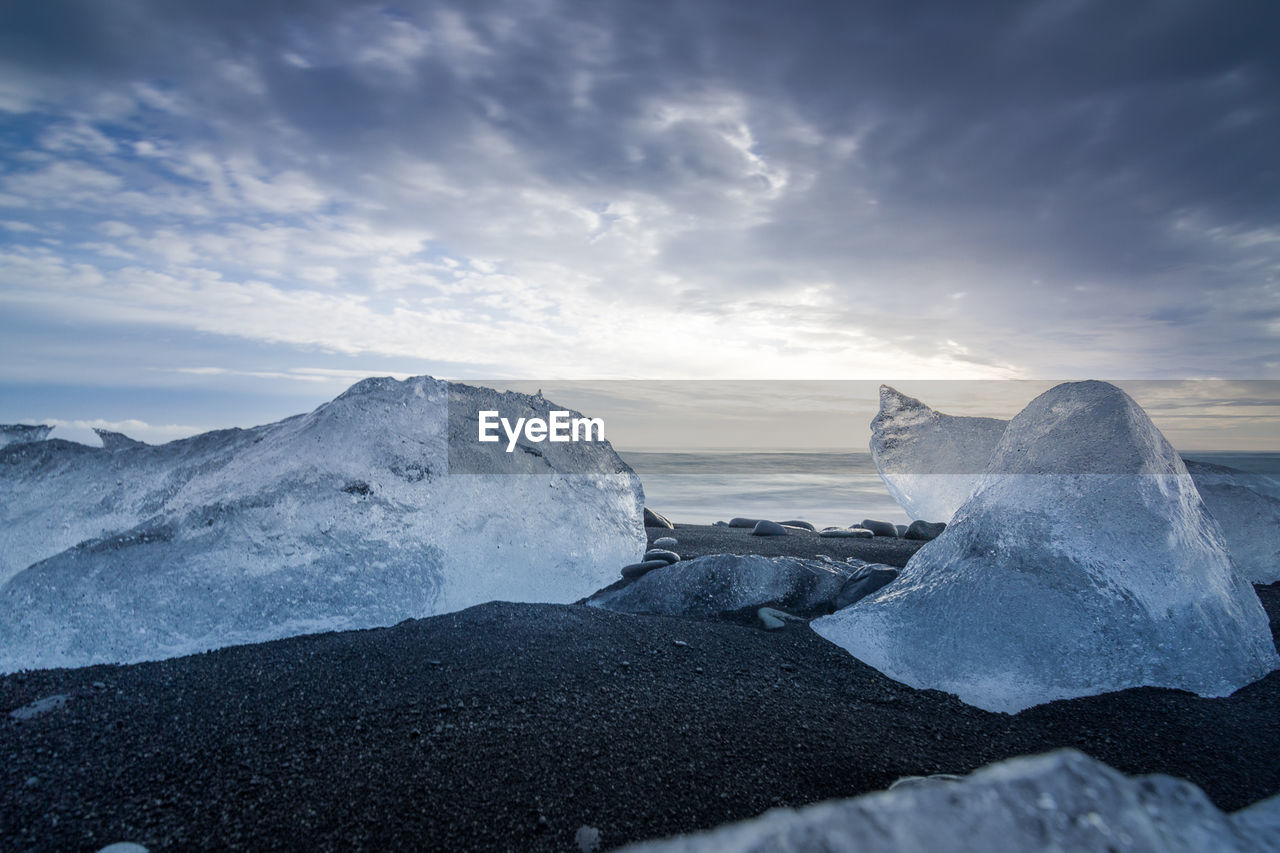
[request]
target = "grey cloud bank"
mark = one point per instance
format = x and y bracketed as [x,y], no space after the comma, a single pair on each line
[656,190]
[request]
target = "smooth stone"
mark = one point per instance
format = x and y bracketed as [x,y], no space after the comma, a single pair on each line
[636,570]
[768,528]
[587,839]
[41,706]
[666,542]
[880,528]
[803,525]
[653,519]
[720,524]
[773,619]
[845,533]
[745,522]
[925,530]
[866,581]
[668,557]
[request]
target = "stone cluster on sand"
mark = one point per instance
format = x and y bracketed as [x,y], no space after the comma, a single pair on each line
[1083,562]
[866,529]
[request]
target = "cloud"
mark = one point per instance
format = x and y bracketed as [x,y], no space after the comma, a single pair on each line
[711,189]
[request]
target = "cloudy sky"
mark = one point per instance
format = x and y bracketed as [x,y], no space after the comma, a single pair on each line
[223,213]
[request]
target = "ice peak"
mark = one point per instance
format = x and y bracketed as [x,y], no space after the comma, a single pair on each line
[116,440]
[23,433]
[896,406]
[1088,427]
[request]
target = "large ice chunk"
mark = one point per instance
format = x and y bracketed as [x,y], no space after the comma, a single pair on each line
[723,583]
[350,516]
[1084,562]
[929,461]
[1060,801]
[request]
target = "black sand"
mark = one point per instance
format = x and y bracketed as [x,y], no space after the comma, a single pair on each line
[510,726]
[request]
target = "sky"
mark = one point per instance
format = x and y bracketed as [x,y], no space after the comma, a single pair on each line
[223,213]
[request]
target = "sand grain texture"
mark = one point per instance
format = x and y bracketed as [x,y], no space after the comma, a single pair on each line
[508,727]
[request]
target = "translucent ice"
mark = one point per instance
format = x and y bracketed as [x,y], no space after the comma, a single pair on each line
[1250,518]
[931,462]
[23,433]
[722,583]
[351,516]
[1060,801]
[1084,562]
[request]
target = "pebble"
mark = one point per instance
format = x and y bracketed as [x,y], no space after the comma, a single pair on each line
[655,519]
[768,528]
[802,525]
[924,530]
[879,528]
[845,533]
[745,522]
[40,706]
[668,557]
[636,570]
[587,838]
[666,542]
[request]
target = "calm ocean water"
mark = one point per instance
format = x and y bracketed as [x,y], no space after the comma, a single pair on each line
[823,488]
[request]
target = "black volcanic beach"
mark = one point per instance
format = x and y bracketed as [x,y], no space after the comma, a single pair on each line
[511,726]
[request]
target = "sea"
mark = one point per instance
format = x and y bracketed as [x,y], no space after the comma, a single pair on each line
[826,488]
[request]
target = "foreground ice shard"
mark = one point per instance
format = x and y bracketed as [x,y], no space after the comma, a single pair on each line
[931,462]
[351,516]
[1084,562]
[1056,802]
